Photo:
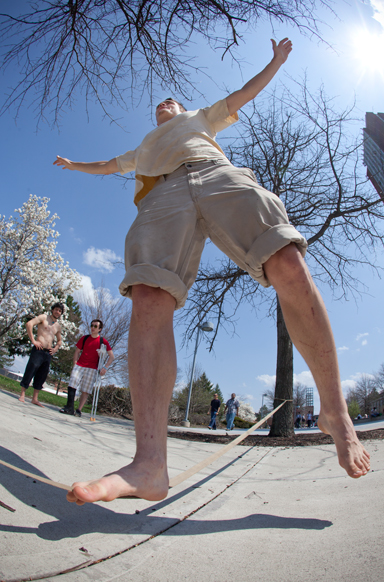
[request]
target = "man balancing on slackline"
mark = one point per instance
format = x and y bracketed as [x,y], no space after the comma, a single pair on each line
[187,191]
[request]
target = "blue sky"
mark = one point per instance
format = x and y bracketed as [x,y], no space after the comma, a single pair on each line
[95,213]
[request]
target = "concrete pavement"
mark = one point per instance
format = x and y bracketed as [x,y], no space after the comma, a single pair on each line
[256,513]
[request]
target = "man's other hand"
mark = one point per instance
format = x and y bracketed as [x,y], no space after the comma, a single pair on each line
[64,162]
[281,50]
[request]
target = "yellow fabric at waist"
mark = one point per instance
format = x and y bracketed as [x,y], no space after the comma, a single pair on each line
[148,183]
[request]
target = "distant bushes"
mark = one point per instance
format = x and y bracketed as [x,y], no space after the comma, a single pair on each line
[114,401]
[240,423]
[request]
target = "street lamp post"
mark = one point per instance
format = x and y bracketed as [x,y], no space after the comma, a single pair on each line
[262,400]
[206,326]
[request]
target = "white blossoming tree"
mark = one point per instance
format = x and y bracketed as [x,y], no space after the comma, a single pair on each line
[33,275]
[246,412]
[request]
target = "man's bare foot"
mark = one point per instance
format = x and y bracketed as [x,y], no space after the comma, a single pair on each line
[37,403]
[352,455]
[145,480]
[22,399]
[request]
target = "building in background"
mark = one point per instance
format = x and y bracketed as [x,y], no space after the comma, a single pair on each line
[374,150]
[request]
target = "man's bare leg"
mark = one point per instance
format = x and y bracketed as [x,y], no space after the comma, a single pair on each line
[35,398]
[82,400]
[309,328]
[152,374]
[22,395]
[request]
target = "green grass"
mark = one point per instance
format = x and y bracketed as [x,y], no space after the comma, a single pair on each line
[14,386]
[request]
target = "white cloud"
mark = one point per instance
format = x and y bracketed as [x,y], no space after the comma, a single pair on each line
[348,384]
[179,386]
[351,382]
[268,380]
[249,397]
[358,375]
[101,259]
[305,378]
[360,335]
[364,342]
[342,349]
[378,11]
[86,291]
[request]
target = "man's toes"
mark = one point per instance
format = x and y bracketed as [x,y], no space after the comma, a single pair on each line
[71,497]
[91,492]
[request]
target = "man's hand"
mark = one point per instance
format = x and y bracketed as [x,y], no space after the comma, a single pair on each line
[67,164]
[251,89]
[281,50]
[103,371]
[53,351]
[100,168]
[38,345]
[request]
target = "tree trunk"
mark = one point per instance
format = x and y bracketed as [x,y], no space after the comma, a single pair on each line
[282,423]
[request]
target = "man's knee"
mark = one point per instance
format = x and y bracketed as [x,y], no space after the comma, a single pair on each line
[286,266]
[144,297]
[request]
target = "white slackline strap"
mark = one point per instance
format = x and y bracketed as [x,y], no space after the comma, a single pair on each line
[196,468]
[176,480]
[37,477]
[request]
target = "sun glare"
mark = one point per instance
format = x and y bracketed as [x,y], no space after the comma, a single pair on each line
[369,51]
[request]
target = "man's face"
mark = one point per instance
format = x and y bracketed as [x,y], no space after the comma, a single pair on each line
[166,110]
[56,312]
[95,328]
[216,396]
[233,395]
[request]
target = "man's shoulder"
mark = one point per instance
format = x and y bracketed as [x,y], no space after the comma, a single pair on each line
[39,319]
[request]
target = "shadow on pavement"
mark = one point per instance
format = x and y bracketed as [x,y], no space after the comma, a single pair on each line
[72,521]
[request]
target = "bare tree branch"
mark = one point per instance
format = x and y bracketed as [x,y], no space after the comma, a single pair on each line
[113,49]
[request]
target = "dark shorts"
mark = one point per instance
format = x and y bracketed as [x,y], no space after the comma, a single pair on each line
[37,368]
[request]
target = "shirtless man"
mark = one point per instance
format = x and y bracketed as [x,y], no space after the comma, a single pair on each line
[187,190]
[42,351]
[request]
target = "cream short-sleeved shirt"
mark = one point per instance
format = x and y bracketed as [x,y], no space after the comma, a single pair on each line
[188,137]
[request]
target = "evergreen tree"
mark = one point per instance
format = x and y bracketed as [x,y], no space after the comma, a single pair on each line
[202,394]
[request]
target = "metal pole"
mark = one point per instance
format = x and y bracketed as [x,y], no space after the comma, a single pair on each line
[186,421]
[262,400]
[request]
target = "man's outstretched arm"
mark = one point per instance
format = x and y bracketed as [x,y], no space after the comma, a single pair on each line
[105,167]
[239,98]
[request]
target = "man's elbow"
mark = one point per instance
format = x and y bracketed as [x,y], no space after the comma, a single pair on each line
[111,167]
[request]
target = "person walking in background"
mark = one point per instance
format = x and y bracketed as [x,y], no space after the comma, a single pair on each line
[40,359]
[214,410]
[298,420]
[84,373]
[232,408]
[309,419]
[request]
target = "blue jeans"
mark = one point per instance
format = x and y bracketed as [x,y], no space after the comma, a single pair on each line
[212,424]
[230,418]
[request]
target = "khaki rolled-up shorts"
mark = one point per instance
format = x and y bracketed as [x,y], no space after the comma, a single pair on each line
[209,199]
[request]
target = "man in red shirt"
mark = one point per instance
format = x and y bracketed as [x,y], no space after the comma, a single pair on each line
[84,373]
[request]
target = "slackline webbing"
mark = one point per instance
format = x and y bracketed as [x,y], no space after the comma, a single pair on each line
[196,468]
[176,480]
